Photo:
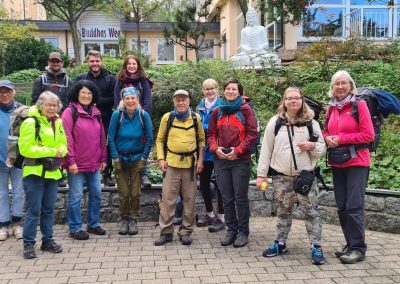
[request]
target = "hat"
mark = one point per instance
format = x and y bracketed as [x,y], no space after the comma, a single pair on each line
[129,91]
[181,92]
[55,55]
[7,84]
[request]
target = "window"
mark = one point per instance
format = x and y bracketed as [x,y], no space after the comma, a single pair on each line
[165,53]
[54,41]
[111,49]
[144,44]
[91,46]
[322,22]
[209,53]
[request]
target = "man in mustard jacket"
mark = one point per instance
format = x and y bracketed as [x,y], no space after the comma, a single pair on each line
[180,146]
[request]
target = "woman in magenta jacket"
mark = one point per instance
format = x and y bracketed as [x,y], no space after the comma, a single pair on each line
[86,158]
[343,133]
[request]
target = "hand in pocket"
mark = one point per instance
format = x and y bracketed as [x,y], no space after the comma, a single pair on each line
[117,165]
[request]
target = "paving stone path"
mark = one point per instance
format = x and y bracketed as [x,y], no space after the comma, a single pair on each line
[123,259]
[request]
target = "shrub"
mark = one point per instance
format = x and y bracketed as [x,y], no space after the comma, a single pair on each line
[23,76]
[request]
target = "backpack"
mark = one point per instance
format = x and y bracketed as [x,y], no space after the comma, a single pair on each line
[380,104]
[74,113]
[17,117]
[45,83]
[240,117]
[315,106]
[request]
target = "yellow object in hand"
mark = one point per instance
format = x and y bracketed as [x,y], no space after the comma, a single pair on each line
[264,185]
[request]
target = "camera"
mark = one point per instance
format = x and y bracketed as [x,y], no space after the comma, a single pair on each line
[226,150]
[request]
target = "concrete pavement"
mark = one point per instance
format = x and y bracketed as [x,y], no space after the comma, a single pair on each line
[124,259]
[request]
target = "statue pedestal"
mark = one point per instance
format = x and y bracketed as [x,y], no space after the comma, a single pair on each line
[256,60]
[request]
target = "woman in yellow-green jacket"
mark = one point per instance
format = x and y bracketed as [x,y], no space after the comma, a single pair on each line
[43,143]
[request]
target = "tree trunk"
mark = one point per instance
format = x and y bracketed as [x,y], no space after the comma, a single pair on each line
[76,41]
[139,46]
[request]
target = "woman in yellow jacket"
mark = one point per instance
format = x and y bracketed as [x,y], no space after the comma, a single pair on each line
[43,143]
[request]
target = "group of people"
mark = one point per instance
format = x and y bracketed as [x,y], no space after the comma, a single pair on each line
[105,125]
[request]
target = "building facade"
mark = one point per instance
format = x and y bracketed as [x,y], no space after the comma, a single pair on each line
[24,9]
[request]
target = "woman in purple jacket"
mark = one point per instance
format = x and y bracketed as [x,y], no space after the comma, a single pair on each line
[87,156]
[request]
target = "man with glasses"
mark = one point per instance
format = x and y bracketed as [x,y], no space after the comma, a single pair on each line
[7,171]
[55,80]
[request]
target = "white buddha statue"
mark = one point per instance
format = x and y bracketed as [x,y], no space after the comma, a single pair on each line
[253,43]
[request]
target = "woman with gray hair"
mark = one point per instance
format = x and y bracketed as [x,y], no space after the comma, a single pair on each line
[348,155]
[292,144]
[130,138]
[43,143]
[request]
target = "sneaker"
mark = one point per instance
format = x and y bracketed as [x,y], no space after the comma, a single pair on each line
[186,240]
[51,246]
[317,256]
[344,250]
[353,256]
[163,239]
[275,249]
[17,230]
[62,182]
[3,233]
[132,227]
[79,235]
[204,220]
[108,181]
[124,227]
[230,237]
[29,251]
[216,226]
[97,231]
[145,182]
[240,241]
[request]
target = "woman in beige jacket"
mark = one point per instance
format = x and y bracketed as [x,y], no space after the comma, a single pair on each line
[284,162]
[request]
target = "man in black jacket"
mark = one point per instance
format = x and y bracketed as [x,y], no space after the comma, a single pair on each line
[55,79]
[105,81]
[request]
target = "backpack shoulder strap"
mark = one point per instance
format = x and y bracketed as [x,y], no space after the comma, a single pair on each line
[355,109]
[328,116]
[119,121]
[43,81]
[310,128]
[278,125]
[74,114]
[66,81]
[141,117]
[37,128]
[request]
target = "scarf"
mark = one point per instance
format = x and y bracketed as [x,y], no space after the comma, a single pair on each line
[208,105]
[340,104]
[230,107]
[182,116]
[131,79]
[88,109]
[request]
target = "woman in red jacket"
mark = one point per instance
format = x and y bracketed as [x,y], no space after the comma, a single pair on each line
[347,136]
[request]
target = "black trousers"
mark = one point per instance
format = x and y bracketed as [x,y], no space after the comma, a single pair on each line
[205,178]
[349,186]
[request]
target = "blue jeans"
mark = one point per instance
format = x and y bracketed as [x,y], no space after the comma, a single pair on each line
[41,196]
[75,195]
[17,195]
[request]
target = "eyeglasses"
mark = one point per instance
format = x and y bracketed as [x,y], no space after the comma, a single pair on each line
[48,105]
[338,84]
[293,98]
[55,61]
[5,92]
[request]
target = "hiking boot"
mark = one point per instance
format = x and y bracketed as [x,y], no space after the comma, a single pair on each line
[124,227]
[145,182]
[79,235]
[230,237]
[51,246]
[186,240]
[204,220]
[97,231]
[275,249]
[344,250]
[29,251]
[216,226]
[108,181]
[240,241]
[166,238]
[132,225]
[317,256]
[352,256]
[3,233]
[17,230]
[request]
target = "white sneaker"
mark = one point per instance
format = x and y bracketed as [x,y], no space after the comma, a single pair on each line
[17,230]
[3,233]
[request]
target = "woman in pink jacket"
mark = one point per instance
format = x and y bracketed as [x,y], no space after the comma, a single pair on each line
[347,134]
[86,158]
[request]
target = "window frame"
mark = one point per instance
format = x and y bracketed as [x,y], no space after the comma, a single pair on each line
[167,61]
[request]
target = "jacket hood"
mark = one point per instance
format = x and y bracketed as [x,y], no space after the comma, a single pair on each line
[61,72]
[35,112]
[95,110]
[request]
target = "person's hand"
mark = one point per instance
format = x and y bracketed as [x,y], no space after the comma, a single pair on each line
[163,165]
[73,169]
[306,145]
[220,154]
[199,166]
[259,182]
[10,161]
[232,154]
[332,141]
[103,166]
[58,154]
